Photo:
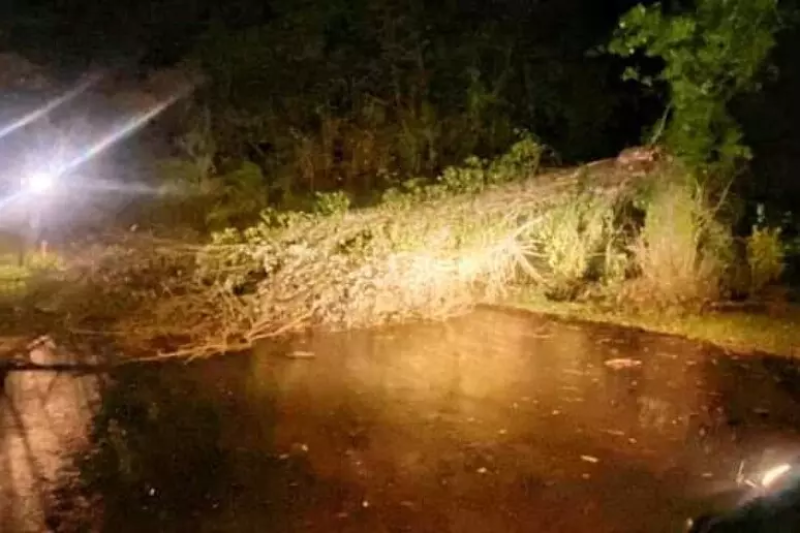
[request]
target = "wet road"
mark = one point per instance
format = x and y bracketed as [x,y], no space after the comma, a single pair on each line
[491,422]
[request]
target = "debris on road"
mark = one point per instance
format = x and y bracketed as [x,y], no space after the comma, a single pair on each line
[589,459]
[299,448]
[623,362]
[301,354]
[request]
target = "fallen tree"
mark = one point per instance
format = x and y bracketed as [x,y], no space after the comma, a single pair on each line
[423,252]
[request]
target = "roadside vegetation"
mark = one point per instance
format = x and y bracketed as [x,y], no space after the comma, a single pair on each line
[651,251]
[382,213]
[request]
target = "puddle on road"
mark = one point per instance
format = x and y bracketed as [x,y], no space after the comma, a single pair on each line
[490,422]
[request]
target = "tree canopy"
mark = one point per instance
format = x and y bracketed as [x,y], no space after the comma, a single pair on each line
[313,95]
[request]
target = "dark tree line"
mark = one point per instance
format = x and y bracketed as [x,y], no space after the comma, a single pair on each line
[313,95]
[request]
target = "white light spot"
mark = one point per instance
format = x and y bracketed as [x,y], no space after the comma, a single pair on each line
[41,182]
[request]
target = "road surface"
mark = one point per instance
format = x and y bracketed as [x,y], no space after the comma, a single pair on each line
[492,422]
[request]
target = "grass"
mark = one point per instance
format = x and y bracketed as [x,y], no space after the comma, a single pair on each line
[16,280]
[736,331]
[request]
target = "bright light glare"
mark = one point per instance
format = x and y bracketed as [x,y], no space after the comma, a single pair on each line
[48,107]
[773,474]
[124,130]
[41,182]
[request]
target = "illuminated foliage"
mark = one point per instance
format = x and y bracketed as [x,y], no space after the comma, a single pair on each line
[710,54]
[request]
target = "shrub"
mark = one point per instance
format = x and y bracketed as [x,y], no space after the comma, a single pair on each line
[574,242]
[682,252]
[765,258]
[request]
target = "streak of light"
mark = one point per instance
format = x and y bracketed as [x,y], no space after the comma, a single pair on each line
[48,107]
[125,130]
[10,199]
[115,186]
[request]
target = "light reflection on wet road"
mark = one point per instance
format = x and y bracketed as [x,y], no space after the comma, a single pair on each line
[491,422]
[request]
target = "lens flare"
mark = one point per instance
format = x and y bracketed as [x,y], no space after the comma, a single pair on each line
[48,107]
[774,474]
[9,199]
[101,185]
[127,128]
[41,182]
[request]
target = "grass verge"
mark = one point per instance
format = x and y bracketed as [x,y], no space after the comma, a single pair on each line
[737,331]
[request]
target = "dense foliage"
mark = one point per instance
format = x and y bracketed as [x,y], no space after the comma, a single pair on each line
[293,98]
[711,54]
[301,97]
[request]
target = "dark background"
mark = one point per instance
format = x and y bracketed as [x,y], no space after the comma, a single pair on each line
[572,100]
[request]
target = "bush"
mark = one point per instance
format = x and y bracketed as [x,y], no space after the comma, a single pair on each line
[765,258]
[575,243]
[682,252]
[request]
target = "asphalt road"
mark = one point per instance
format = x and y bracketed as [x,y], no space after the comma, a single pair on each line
[493,422]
